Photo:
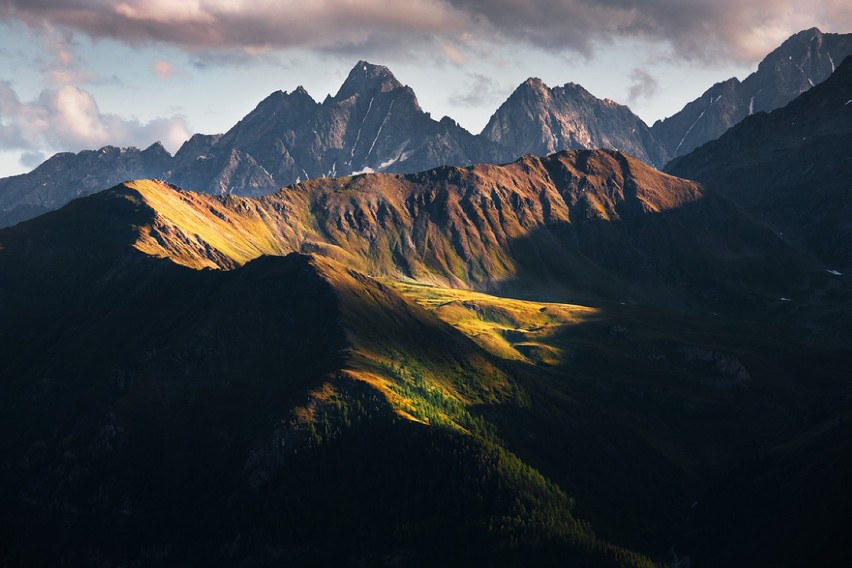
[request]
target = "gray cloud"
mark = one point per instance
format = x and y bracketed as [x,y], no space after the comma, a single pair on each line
[68,118]
[31,159]
[694,29]
[480,90]
[253,27]
[642,85]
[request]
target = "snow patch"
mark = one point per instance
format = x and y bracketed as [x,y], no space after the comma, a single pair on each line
[830,60]
[751,106]
[400,157]
[690,130]
[783,299]
[834,272]
[381,126]
[803,73]
[366,170]
[358,136]
[847,102]
[333,171]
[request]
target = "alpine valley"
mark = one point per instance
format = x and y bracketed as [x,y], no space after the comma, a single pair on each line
[527,347]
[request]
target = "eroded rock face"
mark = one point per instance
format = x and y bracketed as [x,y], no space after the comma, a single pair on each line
[804,60]
[790,168]
[67,176]
[375,124]
[539,120]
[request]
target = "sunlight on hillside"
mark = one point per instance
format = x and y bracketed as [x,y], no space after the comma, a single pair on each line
[506,327]
[203,231]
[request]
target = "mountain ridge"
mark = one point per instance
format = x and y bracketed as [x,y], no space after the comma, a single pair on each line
[311,376]
[790,167]
[800,62]
[577,225]
[374,123]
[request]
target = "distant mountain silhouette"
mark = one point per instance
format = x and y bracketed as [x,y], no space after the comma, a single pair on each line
[375,124]
[791,167]
[802,61]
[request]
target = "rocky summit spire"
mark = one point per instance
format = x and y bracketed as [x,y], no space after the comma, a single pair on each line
[367,79]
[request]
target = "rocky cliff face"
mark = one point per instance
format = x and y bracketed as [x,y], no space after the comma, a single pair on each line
[539,120]
[375,124]
[67,176]
[790,168]
[801,62]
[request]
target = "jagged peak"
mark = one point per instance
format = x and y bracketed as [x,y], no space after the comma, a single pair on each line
[532,85]
[157,147]
[793,43]
[535,83]
[300,91]
[576,89]
[367,79]
[808,33]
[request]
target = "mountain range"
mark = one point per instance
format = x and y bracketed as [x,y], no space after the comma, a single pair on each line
[570,357]
[565,359]
[790,167]
[801,62]
[374,123]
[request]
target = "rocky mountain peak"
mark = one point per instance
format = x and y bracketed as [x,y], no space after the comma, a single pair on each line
[533,88]
[156,149]
[535,84]
[368,80]
[801,62]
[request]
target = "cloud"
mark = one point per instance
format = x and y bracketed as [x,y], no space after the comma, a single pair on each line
[163,68]
[254,26]
[454,54]
[479,91]
[693,29]
[61,64]
[642,85]
[31,159]
[68,119]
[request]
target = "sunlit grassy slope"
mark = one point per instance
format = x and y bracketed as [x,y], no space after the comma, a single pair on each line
[202,232]
[507,327]
[430,390]
[575,226]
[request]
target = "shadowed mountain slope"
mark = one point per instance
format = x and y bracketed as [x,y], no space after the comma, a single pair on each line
[791,168]
[289,410]
[181,387]
[539,120]
[804,60]
[68,176]
[576,225]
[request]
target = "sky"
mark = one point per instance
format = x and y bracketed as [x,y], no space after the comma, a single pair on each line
[81,74]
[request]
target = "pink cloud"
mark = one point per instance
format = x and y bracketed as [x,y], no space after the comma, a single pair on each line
[69,119]
[694,29]
[163,68]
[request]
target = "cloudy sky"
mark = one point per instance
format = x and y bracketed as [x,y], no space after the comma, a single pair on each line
[78,74]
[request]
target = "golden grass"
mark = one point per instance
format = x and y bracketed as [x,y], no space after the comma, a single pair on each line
[507,327]
[402,407]
[195,222]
